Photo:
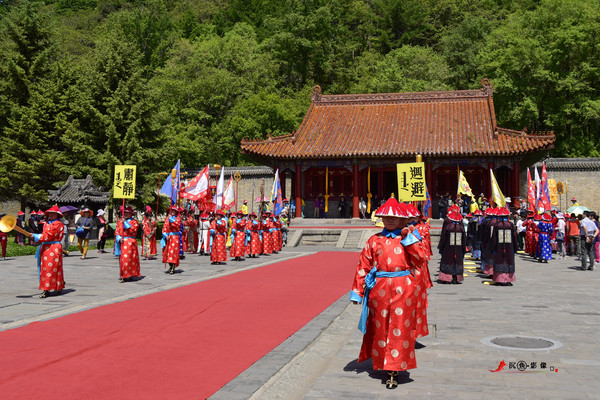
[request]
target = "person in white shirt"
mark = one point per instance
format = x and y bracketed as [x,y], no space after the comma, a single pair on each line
[587,248]
[521,231]
[560,235]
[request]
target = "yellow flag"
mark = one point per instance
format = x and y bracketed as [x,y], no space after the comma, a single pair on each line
[463,186]
[497,195]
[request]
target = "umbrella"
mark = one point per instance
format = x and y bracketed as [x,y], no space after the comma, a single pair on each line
[66,209]
[577,210]
[265,198]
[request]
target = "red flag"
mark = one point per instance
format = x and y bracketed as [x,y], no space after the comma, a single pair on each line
[198,187]
[544,193]
[530,193]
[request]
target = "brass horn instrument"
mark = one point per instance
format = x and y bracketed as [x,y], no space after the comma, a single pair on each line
[9,222]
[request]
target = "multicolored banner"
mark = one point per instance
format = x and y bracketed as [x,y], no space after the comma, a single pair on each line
[530,193]
[411,182]
[124,186]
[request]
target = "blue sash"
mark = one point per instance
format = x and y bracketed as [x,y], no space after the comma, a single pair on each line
[370,281]
[38,255]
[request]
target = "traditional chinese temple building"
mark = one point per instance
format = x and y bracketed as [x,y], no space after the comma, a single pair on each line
[352,143]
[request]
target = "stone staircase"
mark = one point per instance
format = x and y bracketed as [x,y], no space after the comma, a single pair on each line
[341,233]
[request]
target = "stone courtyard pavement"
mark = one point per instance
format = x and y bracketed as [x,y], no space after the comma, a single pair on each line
[556,301]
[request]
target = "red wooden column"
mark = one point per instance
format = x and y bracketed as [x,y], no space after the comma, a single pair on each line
[298,190]
[282,181]
[355,191]
[516,187]
[430,185]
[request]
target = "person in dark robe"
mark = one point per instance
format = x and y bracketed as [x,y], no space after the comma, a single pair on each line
[502,248]
[487,262]
[474,230]
[452,247]
[32,225]
[19,237]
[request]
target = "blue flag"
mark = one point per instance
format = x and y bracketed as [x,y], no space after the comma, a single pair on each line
[427,205]
[276,195]
[169,189]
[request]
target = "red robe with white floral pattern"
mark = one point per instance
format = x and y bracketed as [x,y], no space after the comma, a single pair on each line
[238,247]
[254,247]
[129,260]
[390,336]
[267,236]
[171,250]
[51,265]
[149,225]
[219,249]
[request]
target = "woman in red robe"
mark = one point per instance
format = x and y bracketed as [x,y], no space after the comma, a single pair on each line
[254,245]
[238,230]
[385,284]
[49,254]
[171,230]
[218,231]
[129,258]
[193,235]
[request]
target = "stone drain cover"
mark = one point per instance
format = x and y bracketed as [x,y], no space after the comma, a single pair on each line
[517,342]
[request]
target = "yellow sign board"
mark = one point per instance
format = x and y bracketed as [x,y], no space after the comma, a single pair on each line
[124,187]
[411,181]
[552,188]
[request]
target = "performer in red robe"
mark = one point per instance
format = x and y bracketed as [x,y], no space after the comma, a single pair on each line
[148,235]
[218,231]
[266,227]
[528,224]
[193,235]
[422,276]
[277,238]
[129,258]
[186,231]
[49,254]
[385,284]
[253,226]
[171,232]
[238,243]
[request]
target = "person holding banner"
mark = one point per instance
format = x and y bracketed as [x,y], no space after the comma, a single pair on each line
[125,240]
[49,253]
[171,234]
[385,284]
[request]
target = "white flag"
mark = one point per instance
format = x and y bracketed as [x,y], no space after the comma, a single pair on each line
[218,199]
[229,195]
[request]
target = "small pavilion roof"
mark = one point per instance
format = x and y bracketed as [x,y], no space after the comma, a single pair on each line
[392,125]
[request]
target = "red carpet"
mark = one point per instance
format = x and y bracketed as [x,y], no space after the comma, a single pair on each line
[184,343]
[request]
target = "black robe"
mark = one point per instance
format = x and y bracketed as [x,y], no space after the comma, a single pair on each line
[453,246]
[502,247]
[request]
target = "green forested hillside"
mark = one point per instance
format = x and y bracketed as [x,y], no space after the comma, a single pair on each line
[87,84]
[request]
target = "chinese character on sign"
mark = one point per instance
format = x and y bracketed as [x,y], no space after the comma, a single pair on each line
[416,173]
[411,182]
[124,186]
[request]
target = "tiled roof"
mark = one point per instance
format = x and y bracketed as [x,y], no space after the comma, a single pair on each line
[449,123]
[571,164]
[244,171]
[79,190]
